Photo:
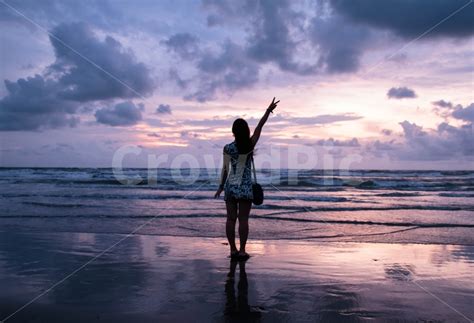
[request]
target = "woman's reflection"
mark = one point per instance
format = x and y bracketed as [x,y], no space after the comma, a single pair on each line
[239,308]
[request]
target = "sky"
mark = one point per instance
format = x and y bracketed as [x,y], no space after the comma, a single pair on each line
[362,84]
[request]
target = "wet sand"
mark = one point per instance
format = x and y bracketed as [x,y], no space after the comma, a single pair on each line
[171,279]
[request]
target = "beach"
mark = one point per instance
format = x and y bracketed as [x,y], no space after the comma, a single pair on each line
[144,278]
[237,161]
[79,245]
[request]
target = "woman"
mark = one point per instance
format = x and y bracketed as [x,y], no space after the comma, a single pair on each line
[237,180]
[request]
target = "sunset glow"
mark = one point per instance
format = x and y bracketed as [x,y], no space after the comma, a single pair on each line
[177,78]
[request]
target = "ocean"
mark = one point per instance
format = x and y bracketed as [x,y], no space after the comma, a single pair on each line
[352,206]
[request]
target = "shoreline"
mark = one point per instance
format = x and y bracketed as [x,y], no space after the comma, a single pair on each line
[166,278]
[265,239]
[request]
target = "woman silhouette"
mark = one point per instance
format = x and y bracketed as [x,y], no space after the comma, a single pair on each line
[237,181]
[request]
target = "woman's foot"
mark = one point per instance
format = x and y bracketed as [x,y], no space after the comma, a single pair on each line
[234,254]
[243,255]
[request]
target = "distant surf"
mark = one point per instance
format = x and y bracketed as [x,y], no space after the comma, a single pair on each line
[358,205]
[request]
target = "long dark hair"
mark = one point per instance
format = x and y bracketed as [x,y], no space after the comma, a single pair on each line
[241,132]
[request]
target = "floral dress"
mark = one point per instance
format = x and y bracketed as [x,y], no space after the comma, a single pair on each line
[239,179]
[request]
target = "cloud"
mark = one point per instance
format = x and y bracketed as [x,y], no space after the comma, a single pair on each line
[188,134]
[163,109]
[444,143]
[183,44]
[457,111]
[442,104]
[466,114]
[379,148]
[397,57]
[113,73]
[34,104]
[103,14]
[384,145]
[408,18]
[270,39]
[122,114]
[270,30]
[227,11]
[276,32]
[323,118]
[340,44]
[411,130]
[227,71]
[174,76]
[280,33]
[401,93]
[278,120]
[55,98]
[338,143]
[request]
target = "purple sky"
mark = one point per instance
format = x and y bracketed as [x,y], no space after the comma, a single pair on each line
[389,83]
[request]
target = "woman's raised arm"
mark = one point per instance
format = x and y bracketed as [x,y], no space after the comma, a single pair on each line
[258,129]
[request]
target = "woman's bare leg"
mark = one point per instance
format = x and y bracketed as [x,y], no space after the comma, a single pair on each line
[231,206]
[244,211]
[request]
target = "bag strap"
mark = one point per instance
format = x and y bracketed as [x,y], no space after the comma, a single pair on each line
[253,168]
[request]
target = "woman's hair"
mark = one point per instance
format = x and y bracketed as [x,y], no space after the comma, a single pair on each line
[241,132]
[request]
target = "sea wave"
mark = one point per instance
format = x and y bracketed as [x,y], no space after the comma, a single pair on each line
[307,179]
[432,207]
[456,195]
[294,207]
[260,217]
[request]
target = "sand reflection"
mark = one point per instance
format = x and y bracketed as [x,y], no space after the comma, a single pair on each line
[238,307]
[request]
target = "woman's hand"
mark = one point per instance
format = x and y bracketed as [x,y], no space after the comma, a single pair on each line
[258,129]
[272,105]
[218,193]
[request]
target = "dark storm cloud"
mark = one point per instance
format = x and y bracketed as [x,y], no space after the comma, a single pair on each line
[55,98]
[103,14]
[163,109]
[401,93]
[174,76]
[270,39]
[297,40]
[114,73]
[122,114]
[340,44]
[338,38]
[183,44]
[408,18]
[33,104]
[275,32]
[228,11]
[227,71]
